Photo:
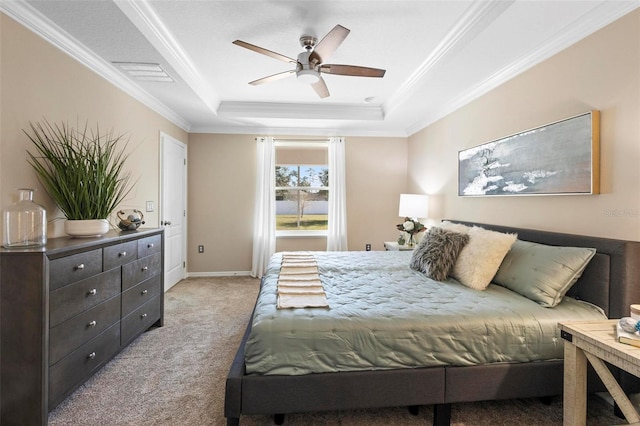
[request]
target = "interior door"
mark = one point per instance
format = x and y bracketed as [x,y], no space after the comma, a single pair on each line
[173,207]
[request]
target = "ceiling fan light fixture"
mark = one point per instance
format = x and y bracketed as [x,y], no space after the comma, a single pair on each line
[308,76]
[310,65]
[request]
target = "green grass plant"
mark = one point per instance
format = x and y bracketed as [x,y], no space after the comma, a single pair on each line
[308,222]
[82,170]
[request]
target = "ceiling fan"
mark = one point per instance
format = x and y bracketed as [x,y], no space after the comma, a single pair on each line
[310,63]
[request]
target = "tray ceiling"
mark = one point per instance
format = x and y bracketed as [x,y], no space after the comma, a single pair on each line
[438,55]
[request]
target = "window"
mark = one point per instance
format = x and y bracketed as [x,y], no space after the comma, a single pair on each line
[302,189]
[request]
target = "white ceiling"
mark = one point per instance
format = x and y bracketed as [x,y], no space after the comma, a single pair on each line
[439,55]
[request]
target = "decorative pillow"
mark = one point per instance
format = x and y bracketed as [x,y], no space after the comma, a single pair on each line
[455,227]
[542,273]
[437,253]
[480,259]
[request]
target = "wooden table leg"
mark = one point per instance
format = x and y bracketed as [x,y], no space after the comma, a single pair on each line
[626,406]
[575,386]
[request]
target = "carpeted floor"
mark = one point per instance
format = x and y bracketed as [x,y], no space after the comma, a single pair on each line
[175,375]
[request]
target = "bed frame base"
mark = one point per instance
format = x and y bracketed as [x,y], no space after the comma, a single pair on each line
[414,410]
[611,281]
[442,415]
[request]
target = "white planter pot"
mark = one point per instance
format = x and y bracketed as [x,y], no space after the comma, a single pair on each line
[86,228]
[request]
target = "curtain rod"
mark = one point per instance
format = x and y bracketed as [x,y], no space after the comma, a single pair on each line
[301,140]
[298,139]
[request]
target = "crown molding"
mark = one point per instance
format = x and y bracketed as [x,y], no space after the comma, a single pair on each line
[30,18]
[586,25]
[144,17]
[300,111]
[296,131]
[475,19]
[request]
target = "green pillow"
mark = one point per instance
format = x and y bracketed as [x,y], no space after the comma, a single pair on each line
[540,272]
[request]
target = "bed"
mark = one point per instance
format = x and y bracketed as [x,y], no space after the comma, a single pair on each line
[440,372]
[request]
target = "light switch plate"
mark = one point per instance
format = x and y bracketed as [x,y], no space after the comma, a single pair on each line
[149,206]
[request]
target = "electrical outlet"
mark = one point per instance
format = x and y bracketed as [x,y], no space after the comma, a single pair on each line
[200,249]
[367,247]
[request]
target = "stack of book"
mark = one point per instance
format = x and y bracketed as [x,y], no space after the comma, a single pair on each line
[627,337]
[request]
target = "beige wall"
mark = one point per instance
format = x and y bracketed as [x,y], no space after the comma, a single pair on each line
[376,176]
[39,81]
[222,187]
[601,72]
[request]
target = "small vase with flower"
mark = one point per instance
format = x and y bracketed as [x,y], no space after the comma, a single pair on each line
[410,227]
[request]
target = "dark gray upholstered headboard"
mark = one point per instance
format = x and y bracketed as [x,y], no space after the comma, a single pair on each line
[612,278]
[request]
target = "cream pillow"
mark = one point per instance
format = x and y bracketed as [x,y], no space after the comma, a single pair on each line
[480,259]
[455,227]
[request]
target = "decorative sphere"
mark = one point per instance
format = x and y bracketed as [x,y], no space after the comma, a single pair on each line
[628,324]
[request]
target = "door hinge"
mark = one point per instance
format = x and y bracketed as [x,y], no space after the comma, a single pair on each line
[184,264]
[185,162]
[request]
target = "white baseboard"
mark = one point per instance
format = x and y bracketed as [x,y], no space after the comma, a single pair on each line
[219,274]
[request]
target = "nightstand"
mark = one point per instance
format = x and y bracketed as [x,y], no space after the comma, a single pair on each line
[595,342]
[394,246]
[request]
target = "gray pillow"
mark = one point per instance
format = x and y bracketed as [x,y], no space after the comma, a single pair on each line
[542,273]
[437,252]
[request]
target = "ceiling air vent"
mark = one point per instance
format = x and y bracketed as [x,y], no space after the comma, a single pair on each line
[145,71]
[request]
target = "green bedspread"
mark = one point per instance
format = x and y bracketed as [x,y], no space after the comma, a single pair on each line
[384,315]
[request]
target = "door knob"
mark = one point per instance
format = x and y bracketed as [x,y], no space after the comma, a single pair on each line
[166,222]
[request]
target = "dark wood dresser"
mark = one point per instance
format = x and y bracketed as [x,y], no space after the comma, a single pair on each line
[68,308]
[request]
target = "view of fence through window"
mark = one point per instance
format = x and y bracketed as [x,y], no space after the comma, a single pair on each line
[302,194]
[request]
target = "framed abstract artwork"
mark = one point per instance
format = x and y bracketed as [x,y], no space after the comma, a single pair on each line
[558,158]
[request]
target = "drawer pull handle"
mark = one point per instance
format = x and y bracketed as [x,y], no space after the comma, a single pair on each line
[150,245]
[144,268]
[143,316]
[145,291]
[92,324]
[92,292]
[122,254]
[79,267]
[92,355]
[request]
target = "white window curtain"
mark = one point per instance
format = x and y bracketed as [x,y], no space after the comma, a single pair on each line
[337,233]
[264,232]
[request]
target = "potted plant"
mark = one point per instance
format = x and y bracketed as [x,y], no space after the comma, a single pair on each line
[82,171]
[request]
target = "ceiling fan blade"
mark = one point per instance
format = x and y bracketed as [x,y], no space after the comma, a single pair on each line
[271,78]
[352,70]
[321,88]
[264,51]
[329,44]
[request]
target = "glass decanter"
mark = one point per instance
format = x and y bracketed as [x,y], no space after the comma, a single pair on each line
[25,222]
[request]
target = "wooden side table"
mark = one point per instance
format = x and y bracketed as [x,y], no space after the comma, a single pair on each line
[595,341]
[394,246]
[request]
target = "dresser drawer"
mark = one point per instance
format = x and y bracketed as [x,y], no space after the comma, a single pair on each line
[67,270]
[119,254]
[140,320]
[70,300]
[81,363]
[150,245]
[140,294]
[140,270]
[73,333]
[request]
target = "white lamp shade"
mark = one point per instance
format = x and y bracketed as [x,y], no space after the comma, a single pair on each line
[414,206]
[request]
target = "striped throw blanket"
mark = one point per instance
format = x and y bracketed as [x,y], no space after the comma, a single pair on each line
[299,284]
